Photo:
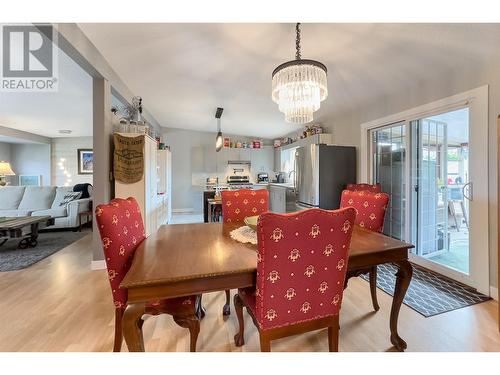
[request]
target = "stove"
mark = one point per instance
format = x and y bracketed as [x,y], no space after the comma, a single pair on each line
[238,180]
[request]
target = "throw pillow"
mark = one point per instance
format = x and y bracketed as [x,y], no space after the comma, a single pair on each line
[70,196]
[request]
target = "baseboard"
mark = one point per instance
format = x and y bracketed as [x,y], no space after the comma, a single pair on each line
[494,293]
[98,265]
[182,210]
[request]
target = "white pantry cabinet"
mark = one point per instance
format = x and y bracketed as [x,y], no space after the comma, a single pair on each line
[164,190]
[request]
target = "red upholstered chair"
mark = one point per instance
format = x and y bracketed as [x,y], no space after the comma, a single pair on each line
[376,188]
[301,269]
[239,204]
[236,206]
[122,230]
[370,214]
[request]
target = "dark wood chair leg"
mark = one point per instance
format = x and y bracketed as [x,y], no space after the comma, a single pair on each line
[238,307]
[117,346]
[226,310]
[373,287]
[265,342]
[192,323]
[333,336]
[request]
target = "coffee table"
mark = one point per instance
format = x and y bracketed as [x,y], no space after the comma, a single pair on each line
[26,228]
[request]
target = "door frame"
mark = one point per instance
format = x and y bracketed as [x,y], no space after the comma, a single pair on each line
[477,102]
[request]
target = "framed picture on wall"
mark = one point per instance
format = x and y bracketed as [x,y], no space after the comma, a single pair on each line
[29,180]
[85,161]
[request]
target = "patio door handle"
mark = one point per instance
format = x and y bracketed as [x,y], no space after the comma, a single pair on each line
[469,197]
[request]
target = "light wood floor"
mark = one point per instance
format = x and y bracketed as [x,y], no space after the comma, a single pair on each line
[59,304]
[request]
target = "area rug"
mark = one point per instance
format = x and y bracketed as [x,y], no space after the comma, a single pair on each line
[429,293]
[12,258]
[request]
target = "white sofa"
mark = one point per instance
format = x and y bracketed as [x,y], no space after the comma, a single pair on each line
[40,201]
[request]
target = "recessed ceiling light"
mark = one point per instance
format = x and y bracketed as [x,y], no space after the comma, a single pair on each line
[64,131]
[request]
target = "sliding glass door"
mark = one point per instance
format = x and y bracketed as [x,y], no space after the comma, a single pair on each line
[441,189]
[389,166]
[434,168]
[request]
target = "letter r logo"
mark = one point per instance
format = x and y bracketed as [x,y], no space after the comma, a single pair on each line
[27,51]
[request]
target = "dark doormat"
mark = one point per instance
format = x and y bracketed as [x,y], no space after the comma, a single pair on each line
[12,258]
[429,293]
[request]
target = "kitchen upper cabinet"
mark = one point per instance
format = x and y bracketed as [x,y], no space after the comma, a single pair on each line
[262,160]
[232,153]
[210,159]
[245,154]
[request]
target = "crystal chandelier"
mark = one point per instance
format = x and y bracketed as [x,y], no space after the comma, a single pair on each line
[299,86]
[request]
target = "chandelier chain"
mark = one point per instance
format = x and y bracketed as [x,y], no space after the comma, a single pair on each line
[297,41]
[299,86]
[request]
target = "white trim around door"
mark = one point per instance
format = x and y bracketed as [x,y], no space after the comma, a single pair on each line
[477,102]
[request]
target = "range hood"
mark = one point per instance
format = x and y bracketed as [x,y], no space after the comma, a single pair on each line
[245,162]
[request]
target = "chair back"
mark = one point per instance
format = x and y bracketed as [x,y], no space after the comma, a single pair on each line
[238,204]
[302,263]
[122,230]
[370,208]
[376,188]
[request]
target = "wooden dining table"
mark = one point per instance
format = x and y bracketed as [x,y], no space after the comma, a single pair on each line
[190,259]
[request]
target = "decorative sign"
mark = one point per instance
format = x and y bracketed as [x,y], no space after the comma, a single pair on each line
[257,143]
[128,158]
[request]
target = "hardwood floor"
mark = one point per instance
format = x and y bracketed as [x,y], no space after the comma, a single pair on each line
[59,304]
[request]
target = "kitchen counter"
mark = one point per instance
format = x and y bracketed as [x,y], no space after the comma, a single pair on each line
[286,185]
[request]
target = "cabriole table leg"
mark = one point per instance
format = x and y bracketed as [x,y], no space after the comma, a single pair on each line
[403,278]
[132,326]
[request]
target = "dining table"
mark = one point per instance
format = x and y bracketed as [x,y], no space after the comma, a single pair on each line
[191,259]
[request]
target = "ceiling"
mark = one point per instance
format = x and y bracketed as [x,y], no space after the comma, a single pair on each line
[44,113]
[184,71]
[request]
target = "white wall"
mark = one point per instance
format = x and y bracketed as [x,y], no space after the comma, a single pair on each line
[31,159]
[346,126]
[5,151]
[187,148]
[66,148]
[5,156]
[28,159]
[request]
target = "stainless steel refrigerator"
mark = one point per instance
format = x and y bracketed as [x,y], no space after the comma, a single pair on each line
[321,173]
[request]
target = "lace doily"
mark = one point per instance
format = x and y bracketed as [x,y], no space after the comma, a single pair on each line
[244,234]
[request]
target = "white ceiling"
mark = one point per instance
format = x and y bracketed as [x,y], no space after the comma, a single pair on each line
[44,113]
[185,71]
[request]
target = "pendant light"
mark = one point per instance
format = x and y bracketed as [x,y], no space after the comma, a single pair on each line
[218,138]
[299,86]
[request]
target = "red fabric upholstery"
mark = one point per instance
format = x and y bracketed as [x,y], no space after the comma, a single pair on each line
[122,230]
[376,188]
[238,204]
[302,263]
[370,208]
